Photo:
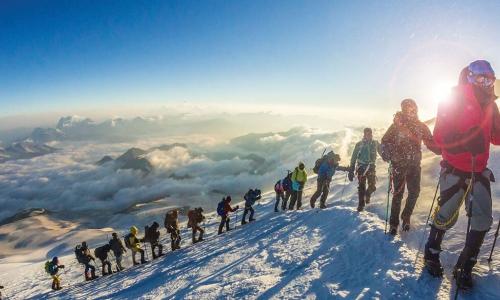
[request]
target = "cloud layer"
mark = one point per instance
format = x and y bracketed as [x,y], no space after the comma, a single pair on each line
[70,184]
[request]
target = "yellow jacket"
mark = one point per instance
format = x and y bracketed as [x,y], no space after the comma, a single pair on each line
[299,175]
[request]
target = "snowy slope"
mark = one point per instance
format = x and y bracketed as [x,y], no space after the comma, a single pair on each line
[332,253]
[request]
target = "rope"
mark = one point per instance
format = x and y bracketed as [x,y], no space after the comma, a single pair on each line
[454,217]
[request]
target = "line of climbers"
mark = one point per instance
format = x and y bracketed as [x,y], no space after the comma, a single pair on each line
[465,127]
[132,242]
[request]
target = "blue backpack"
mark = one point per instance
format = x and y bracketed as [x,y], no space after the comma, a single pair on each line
[220,208]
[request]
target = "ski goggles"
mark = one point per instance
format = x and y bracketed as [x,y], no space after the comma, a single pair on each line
[484,81]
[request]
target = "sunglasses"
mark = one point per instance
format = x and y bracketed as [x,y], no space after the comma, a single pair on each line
[484,81]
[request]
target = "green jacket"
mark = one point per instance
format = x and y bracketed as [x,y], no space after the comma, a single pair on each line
[299,175]
[365,153]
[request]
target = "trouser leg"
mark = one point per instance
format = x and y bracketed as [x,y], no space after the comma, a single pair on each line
[119,258]
[299,199]
[202,231]
[293,199]
[413,175]
[142,256]
[317,193]
[285,200]
[252,212]
[325,190]
[361,191]
[221,225]
[372,181]
[399,182]
[279,196]
[245,212]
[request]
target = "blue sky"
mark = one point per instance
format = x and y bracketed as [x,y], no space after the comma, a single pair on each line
[74,55]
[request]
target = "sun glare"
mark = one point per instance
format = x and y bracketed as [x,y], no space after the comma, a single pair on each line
[441,91]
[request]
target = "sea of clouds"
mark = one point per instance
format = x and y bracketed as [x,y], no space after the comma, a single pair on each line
[69,184]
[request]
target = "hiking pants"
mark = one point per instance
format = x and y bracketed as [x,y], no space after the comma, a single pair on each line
[195,229]
[370,176]
[295,198]
[248,209]
[134,252]
[322,189]
[453,187]
[89,267]
[224,220]
[279,196]
[105,263]
[56,282]
[409,176]
[153,247]
[175,239]
[119,258]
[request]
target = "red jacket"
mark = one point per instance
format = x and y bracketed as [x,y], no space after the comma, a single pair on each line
[456,117]
[228,208]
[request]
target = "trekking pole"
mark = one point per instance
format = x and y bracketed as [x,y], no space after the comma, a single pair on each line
[426,223]
[469,217]
[388,196]
[494,242]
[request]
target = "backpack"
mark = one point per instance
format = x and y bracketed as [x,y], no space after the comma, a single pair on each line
[320,160]
[220,208]
[80,256]
[48,267]
[126,239]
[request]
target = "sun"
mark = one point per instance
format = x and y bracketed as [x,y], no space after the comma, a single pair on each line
[441,91]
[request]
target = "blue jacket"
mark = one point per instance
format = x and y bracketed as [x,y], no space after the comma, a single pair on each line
[251,196]
[326,170]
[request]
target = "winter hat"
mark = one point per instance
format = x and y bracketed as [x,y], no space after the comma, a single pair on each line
[228,198]
[155,224]
[55,260]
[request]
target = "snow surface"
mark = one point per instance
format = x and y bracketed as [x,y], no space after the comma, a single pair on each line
[334,253]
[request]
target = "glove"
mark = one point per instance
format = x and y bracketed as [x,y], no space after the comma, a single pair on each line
[61,266]
[475,143]
[351,176]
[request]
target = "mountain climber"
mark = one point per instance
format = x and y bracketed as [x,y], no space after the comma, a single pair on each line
[283,188]
[363,165]
[134,243]
[250,198]
[328,164]
[466,125]
[223,209]
[152,236]
[172,226]
[299,179]
[52,268]
[195,217]
[118,249]
[102,254]
[401,145]
[84,257]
